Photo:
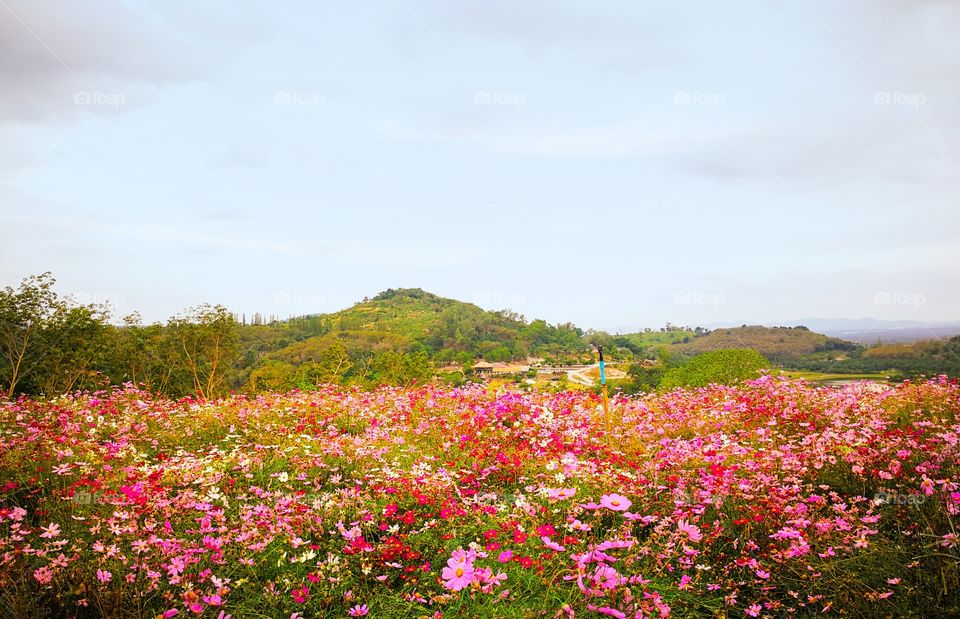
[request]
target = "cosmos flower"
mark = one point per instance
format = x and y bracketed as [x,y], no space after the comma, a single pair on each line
[457,575]
[615,502]
[691,531]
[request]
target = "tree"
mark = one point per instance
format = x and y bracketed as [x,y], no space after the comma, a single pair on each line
[75,344]
[405,369]
[331,366]
[717,366]
[24,314]
[207,343]
[144,355]
[49,345]
[272,376]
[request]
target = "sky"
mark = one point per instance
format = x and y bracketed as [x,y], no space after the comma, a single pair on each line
[614,164]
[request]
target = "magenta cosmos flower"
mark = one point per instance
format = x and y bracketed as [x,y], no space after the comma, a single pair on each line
[615,502]
[457,575]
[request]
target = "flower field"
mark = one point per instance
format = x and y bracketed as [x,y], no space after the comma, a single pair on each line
[773,498]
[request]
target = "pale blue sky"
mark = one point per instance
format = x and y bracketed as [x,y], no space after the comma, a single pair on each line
[616,164]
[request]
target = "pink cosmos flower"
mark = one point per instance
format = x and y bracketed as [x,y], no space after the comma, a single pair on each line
[458,574]
[608,611]
[213,600]
[615,502]
[560,494]
[505,556]
[43,575]
[552,545]
[52,530]
[359,610]
[691,531]
[173,612]
[606,577]
[104,576]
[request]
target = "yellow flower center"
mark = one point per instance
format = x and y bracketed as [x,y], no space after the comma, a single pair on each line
[459,572]
[615,502]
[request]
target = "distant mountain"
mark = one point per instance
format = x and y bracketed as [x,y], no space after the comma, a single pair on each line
[869,331]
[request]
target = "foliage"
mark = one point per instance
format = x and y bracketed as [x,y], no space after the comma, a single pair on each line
[51,345]
[925,358]
[722,367]
[47,344]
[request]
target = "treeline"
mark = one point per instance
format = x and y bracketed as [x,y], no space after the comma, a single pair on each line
[926,358]
[50,345]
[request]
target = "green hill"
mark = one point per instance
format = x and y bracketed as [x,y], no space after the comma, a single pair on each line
[412,320]
[400,331]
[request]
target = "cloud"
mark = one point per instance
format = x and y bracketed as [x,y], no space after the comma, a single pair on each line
[59,61]
[48,53]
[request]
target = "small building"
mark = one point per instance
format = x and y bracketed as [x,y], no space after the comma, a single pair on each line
[482,368]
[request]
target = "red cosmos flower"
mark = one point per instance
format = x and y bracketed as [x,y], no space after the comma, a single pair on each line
[547,530]
[490,534]
[301,594]
[519,537]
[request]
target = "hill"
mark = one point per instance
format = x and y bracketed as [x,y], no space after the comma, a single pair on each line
[782,345]
[413,320]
